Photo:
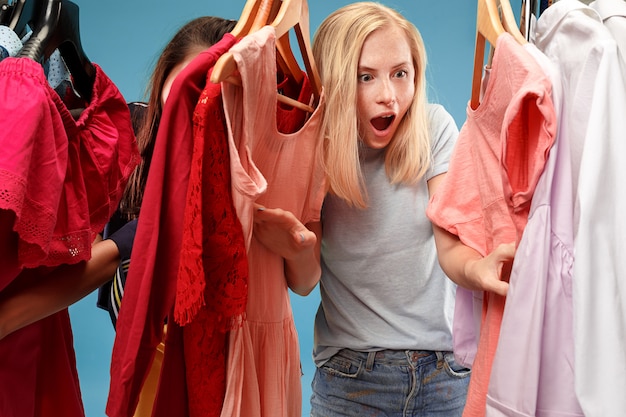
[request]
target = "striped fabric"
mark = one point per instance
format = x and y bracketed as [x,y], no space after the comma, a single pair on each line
[117,289]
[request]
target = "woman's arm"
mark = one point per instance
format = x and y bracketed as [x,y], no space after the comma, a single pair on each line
[33,296]
[299,245]
[468,268]
[464,265]
[303,271]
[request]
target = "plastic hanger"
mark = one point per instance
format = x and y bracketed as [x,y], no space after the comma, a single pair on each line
[56,27]
[22,16]
[5,12]
[291,14]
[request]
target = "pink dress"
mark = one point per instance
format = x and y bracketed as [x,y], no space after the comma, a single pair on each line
[263,370]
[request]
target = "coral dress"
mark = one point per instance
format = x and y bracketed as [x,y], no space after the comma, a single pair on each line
[263,369]
[500,154]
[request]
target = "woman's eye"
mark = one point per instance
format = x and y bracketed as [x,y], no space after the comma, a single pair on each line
[401,74]
[364,77]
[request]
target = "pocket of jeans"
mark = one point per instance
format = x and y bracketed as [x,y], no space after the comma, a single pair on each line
[453,368]
[341,366]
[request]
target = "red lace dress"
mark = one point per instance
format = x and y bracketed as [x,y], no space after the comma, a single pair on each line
[212,283]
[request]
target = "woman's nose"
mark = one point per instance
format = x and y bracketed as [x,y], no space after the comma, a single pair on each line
[386,93]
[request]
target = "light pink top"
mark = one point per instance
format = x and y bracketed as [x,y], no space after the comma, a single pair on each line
[263,371]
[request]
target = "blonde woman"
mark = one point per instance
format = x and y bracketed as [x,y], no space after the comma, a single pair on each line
[383,332]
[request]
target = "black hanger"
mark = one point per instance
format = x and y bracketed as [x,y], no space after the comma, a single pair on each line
[21,16]
[5,12]
[56,27]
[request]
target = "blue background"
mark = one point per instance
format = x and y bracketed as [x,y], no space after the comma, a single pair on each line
[125,37]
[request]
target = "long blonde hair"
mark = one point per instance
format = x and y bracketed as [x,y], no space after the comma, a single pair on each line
[336,49]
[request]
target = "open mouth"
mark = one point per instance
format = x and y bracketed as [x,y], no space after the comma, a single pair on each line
[382,123]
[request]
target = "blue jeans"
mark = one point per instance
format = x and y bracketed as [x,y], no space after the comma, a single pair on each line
[390,383]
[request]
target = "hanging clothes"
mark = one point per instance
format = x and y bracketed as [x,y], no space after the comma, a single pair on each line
[586,53]
[10,43]
[537,320]
[264,375]
[613,14]
[212,282]
[150,289]
[565,301]
[62,178]
[500,154]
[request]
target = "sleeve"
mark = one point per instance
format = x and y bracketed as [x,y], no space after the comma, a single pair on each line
[443,133]
[124,239]
[110,294]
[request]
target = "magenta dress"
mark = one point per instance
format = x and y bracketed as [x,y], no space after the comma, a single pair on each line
[61,180]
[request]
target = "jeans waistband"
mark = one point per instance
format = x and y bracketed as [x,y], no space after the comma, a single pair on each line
[393,357]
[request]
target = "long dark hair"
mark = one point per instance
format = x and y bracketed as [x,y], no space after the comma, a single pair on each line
[201,32]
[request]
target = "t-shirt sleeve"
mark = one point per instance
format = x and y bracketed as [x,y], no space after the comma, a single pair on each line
[444,133]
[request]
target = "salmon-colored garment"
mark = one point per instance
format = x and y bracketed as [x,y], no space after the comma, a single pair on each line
[263,370]
[485,197]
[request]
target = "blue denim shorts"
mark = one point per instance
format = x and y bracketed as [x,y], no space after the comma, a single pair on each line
[390,383]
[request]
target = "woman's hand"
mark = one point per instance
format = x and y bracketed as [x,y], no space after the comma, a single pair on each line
[281,232]
[470,269]
[299,245]
[492,272]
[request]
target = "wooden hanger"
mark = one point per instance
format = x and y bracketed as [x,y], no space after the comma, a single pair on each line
[257,14]
[249,15]
[509,23]
[295,14]
[488,28]
[285,57]
[291,14]
[244,26]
